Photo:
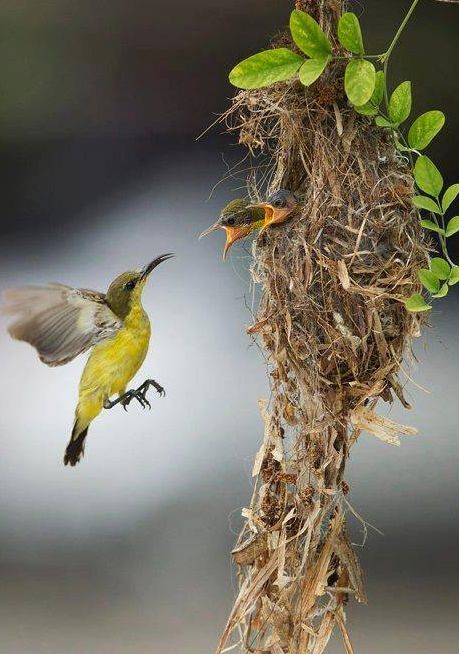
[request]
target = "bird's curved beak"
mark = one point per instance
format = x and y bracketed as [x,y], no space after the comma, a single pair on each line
[273,215]
[233,234]
[152,265]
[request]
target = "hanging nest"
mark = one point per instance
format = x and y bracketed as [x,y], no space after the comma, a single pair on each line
[335,331]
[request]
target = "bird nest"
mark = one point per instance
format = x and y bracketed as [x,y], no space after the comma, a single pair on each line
[335,277]
[333,325]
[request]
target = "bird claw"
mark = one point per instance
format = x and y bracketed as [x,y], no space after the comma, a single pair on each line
[151,382]
[143,400]
[134,394]
[138,393]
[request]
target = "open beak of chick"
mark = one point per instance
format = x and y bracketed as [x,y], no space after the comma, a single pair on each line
[239,218]
[233,234]
[238,221]
[277,208]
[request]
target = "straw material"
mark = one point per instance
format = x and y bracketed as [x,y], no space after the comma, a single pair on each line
[334,329]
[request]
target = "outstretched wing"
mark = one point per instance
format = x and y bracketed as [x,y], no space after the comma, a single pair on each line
[59,321]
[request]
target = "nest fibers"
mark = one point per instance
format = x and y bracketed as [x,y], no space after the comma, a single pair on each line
[335,330]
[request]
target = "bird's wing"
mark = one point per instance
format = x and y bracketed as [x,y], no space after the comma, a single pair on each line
[59,321]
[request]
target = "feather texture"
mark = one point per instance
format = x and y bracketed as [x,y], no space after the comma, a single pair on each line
[59,321]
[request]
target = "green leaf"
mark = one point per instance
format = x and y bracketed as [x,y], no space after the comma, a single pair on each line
[427,176]
[359,81]
[425,128]
[350,34]
[423,202]
[367,110]
[400,103]
[443,291]
[312,69]
[371,108]
[265,68]
[453,226]
[454,276]
[450,195]
[383,122]
[428,280]
[416,303]
[440,268]
[378,93]
[429,224]
[309,36]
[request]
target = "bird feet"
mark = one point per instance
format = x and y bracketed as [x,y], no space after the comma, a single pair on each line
[136,393]
[143,388]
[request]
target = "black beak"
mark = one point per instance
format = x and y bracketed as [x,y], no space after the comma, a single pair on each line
[152,265]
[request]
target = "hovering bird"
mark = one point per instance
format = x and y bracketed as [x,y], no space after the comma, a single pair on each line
[62,322]
[239,218]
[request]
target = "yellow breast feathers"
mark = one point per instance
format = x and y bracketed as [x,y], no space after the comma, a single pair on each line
[115,361]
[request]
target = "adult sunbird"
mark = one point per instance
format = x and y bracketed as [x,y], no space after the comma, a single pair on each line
[62,322]
[239,218]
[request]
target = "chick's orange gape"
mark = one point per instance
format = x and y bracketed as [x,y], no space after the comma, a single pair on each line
[62,322]
[239,218]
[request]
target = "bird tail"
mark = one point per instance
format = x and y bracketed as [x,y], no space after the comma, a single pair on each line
[75,448]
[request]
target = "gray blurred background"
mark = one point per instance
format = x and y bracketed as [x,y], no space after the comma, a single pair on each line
[129,552]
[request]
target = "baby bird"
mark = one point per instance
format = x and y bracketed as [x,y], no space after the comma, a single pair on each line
[278,207]
[239,219]
[61,322]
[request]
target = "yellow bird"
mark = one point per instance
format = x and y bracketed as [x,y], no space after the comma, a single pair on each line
[62,322]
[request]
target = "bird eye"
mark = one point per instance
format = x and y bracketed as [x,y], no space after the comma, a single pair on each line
[279,203]
[130,286]
[230,221]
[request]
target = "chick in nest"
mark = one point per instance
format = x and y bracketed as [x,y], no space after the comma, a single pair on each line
[239,218]
[278,207]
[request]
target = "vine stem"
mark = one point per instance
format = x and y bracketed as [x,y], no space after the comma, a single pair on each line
[379,57]
[388,53]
